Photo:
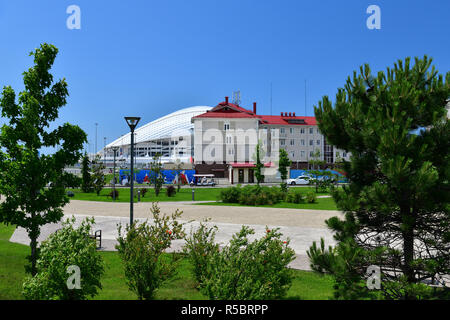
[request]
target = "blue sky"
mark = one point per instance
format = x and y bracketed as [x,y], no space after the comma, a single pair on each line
[149,58]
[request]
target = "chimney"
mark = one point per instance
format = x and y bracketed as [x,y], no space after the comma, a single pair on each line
[254,107]
[226,100]
[293,114]
[281,113]
[290,115]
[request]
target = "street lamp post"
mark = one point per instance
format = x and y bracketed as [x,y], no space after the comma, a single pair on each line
[114,149]
[132,123]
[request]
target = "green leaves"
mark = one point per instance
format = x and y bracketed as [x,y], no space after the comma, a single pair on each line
[67,247]
[24,173]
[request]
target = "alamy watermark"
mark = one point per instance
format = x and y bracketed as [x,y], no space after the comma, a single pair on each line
[374,280]
[374,20]
[74,280]
[74,20]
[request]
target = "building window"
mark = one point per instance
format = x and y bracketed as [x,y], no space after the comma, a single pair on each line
[317,130]
[311,142]
[282,130]
[291,130]
[344,154]
[302,154]
[229,139]
[282,142]
[302,142]
[311,130]
[292,154]
[226,126]
[302,130]
[318,142]
[292,142]
[311,154]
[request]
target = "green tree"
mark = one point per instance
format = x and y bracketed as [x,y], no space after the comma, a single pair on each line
[24,170]
[397,213]
[283,164]
[177,172]
[156,174]
[316,163]
[68,247]
[258,164]
[98,176]
[86,184]
[141,248]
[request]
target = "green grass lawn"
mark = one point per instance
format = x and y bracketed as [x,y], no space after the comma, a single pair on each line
[185,194]
[321,204]
[306,285]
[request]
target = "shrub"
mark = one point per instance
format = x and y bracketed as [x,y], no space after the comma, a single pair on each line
[171,191]
[294,196]
[114,192]
[230,195]
[143,191]
[249,271]
[311,197]
[67,247]
[141,249]
[199,247]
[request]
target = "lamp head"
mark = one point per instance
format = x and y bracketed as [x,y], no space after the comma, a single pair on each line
[132,122]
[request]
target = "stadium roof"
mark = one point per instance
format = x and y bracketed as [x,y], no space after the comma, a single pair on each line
[174,124]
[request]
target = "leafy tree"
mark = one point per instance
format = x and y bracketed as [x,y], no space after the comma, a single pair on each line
[98,176]
[397,213]
[177,172]
[69,246]
[283,164]
[156,174]
[316,163]
[86,184]
[258,164]
[24,170]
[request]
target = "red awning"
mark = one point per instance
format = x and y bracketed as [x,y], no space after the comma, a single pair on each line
[249,165]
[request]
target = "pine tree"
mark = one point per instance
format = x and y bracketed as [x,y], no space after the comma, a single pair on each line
[396,206]
[86,182]
[98,176]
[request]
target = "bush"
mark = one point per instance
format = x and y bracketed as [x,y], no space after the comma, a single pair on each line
[143,191]
[111,194]
[230,195]
[250,271]
[141,249]
[67,247]
[199,247]
[171,191]
[311,197]
[294,196]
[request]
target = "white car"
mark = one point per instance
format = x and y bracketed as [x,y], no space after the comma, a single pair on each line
[300,180]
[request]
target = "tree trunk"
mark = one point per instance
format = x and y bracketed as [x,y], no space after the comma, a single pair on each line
[33,246]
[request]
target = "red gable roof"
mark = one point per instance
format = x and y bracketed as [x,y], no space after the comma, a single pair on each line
[233,111]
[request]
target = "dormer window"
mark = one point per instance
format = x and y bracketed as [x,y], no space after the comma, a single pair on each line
[226,126]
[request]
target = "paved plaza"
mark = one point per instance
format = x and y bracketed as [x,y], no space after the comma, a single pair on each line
[302,227]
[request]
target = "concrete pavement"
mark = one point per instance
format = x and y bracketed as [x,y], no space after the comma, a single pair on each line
[301,226]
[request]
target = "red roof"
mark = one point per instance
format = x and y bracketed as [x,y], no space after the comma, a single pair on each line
[233,111]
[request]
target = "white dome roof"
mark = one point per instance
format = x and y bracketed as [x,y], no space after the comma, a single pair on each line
[177,123]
